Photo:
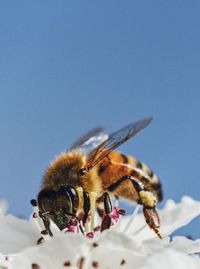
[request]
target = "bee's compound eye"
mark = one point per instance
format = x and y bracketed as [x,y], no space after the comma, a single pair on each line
[46,198]
[69,197]
[73,192]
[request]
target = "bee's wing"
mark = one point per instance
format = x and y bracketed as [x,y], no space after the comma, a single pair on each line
[92,139]
[114,140]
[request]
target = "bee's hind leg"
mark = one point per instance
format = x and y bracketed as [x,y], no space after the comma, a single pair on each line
[106,222]
[146,198]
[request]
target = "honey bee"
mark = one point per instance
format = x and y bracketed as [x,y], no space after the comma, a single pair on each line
[82,179]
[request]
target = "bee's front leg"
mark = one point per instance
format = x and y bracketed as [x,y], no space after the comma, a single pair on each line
[46,223]
[36,215]
[106,223]
[86,206]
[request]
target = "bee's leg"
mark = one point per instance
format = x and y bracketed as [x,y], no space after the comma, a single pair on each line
[37,215]
[46,225]
[86,209]
[152,219]
[106,223]
[146,198]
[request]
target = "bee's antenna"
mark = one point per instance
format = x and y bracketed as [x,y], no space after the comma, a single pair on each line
[33,202]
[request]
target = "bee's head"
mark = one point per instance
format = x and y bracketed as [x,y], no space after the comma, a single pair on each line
[60,206]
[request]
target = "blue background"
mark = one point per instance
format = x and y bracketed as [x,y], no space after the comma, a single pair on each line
[67,66]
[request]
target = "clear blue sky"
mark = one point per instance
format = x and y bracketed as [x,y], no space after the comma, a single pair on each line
[67,66]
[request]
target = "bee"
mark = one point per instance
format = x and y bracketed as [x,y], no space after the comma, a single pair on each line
[83,178]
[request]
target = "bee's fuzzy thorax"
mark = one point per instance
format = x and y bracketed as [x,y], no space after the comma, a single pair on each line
[63,170]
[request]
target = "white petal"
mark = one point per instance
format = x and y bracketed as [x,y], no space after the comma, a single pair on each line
[112,251]
[171,259]
[178,215]
[185,245]
[53,254]
[15,234]
[3,207]
[106,256]
[121,241]
[2,267]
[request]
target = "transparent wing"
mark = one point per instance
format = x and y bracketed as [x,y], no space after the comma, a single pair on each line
[83,139]
[92,139]
[114,140]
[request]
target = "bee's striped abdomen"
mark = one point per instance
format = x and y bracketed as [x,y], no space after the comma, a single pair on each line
[148,176]
[117,165]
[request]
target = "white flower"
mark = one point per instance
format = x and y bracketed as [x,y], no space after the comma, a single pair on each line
[3,207]
[129,244]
